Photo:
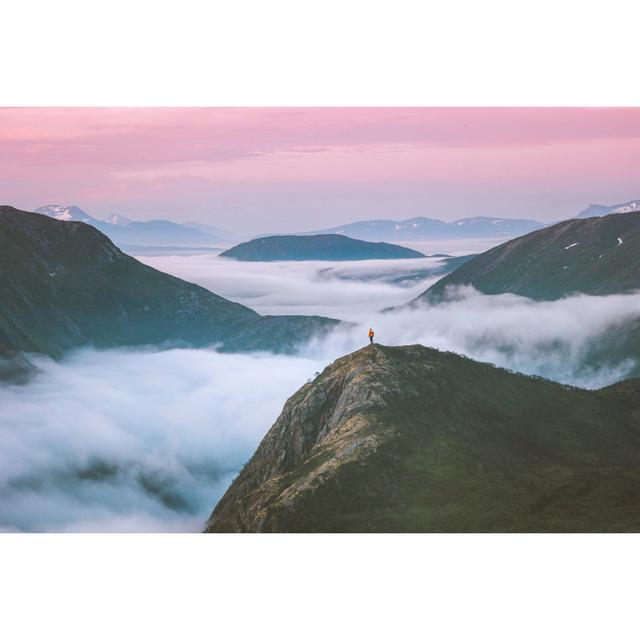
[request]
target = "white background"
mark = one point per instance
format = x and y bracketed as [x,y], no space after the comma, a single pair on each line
[318,53]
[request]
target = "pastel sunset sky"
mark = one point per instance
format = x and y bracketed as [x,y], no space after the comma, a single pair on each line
[294,169]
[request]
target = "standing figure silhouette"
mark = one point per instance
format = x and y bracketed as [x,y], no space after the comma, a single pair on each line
[371,334]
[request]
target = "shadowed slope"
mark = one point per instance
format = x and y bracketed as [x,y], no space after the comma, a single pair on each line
[65,285]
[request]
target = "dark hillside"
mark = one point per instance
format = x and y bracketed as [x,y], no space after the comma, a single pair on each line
[65,285]
[413,439]
[317,247]
[598,256]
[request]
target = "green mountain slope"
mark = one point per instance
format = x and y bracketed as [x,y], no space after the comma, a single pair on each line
[412,439]
[65,285]
[597,256]
[316,247]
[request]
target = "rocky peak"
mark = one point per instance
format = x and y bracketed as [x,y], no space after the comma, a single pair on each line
[413,439]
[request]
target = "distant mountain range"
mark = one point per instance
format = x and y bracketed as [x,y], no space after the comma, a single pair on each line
[595,210]
[598,256]
[421,228]
[409,439]
[316,247]
[125,232]
[65,285]
[128,233]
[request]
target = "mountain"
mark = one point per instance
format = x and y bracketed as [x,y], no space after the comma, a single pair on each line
[125,232]
[421,228]
[216,232]
[316,247]
[410,439]
[118,220]
[594,210]
[69,213]
[65,285]
[597,256]
[159,233]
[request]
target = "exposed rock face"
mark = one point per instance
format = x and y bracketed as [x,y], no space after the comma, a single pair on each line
[598,256]
[316,247]
[65,285]
[412,439]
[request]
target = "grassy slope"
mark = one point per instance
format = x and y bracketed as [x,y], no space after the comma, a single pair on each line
[540,266]
[411,439]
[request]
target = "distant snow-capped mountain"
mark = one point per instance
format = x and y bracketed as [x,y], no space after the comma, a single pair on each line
[66,213]
[125,232]
[421,228]
[596,210]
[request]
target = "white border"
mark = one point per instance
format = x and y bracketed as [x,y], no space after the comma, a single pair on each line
[334,52]
[318,53]
[324,586]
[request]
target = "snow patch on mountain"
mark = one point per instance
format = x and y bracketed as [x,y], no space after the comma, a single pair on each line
[598,210]
[66,213]
[629,207]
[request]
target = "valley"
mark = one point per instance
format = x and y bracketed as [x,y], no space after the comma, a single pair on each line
[182,407]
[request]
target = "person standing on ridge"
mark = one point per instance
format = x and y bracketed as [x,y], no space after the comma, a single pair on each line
[371,334]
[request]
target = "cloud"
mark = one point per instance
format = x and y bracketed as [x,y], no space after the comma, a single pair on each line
[265,169]
[555,340]
[551,339]
[345,290]
[148,441]
[135,441]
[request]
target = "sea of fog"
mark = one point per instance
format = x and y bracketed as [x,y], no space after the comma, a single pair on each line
[141,440]
[344,290]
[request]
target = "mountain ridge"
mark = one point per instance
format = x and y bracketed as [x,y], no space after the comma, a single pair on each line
[596,256]
[124,231]
[65,285]
[422,228]
[410,439]
[596,210]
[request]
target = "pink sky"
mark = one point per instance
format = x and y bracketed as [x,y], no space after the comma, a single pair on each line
[279,169]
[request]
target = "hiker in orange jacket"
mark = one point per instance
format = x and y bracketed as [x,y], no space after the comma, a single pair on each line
[371,334]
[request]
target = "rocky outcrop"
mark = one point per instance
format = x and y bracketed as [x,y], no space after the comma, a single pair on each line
[412,439]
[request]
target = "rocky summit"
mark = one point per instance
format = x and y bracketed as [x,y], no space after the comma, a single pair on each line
[410,439]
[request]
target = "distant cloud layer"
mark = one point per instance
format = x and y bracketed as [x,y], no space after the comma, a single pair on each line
[279,169]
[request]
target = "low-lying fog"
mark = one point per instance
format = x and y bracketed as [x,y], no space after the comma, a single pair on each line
[148,441]
[134,441]
[344,290]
